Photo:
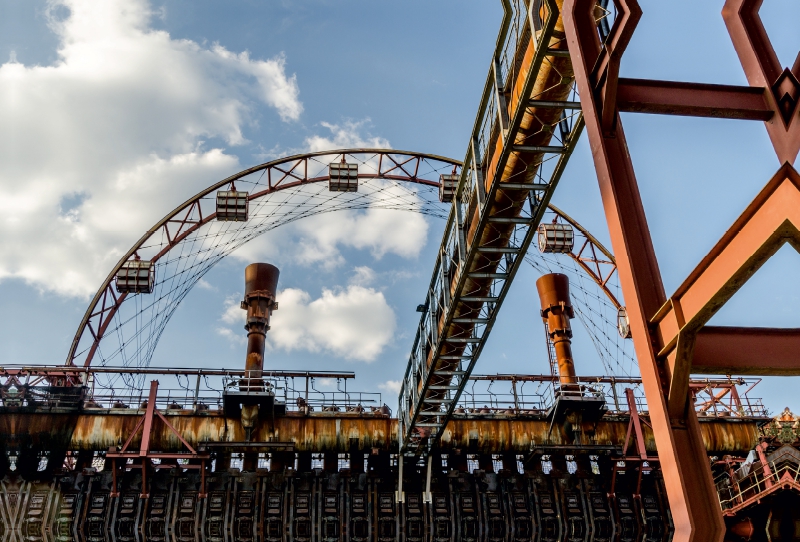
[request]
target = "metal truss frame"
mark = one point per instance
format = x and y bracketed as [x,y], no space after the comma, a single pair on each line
[478,260]
[145,456]
[187,218]
[667,331]
[592,257]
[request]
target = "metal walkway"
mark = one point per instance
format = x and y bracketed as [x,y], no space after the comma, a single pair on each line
[527,126]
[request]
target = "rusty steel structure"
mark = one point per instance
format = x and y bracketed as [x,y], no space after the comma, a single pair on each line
[556,314]
[667,329]
[174,463]
[206,228]
[106,448]
[526,128]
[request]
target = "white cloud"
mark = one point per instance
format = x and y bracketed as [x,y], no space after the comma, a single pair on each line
[353,323]
[203,284]
[233,313]
[98,146]
[234,319]
[378,230]
[319,239]
[235,338]
[347,135]
[327,383]
[392,386]
[362,276]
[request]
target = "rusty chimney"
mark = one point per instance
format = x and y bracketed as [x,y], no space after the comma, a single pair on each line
[556,313]
[260,286]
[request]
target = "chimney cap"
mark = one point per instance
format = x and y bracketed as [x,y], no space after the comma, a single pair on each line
[261,277]
[553,291]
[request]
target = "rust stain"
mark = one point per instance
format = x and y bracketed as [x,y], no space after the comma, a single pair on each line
[343,432]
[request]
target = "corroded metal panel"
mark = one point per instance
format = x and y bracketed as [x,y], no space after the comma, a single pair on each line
[342,432]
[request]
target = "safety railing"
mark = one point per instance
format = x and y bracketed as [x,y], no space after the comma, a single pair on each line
[180,389]
[520,395]
[747,484]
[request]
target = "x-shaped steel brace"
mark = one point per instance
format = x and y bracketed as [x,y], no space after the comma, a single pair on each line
[605,74]
[763,69]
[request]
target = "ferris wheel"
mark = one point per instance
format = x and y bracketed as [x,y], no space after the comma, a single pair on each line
[131,309]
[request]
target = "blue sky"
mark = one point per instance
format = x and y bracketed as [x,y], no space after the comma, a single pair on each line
[113,116]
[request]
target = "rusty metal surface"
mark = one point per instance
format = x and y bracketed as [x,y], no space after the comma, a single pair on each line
[512,136]
[668,333]
[321,432]
[260,287]
[553,83]
[556,313]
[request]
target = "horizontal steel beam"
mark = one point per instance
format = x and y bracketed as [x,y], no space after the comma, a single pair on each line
[747,351]
[692,99]
[554,104]
[552,149]
[25,370]
[509,220]
[499,250]
[523,186]
[770,221]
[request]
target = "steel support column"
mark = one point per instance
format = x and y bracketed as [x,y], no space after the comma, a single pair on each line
[690,488]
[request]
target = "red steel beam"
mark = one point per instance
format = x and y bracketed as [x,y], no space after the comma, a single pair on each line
[770,221]
[147,430]
[747,351]
[690,487]
[763,69]
[693,99]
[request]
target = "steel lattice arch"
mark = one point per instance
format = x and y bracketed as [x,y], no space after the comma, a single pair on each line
[123,328]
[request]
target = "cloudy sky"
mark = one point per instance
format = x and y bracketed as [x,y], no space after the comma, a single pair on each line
[114,112]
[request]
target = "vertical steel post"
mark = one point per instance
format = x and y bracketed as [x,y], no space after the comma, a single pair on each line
[401,497]
[428,497]
[683,457]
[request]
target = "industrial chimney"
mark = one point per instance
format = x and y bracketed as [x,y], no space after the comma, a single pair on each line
[574,404]
[260,286]
[556,313]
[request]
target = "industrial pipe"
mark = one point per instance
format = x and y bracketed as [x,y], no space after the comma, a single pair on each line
[260,286]
[556,313]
